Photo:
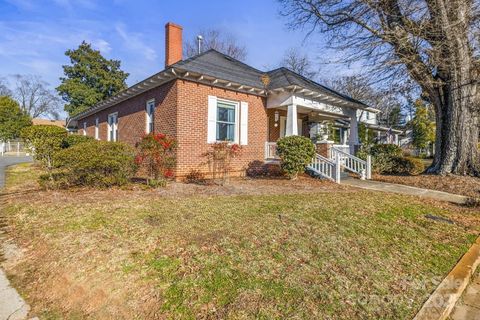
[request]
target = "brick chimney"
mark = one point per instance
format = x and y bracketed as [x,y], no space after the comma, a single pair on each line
[173,43]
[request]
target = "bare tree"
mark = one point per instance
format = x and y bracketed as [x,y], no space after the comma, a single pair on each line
[34,97]
[431,41]
[215,39]
[4,90]
[298,62]
[384,99]
[358,88]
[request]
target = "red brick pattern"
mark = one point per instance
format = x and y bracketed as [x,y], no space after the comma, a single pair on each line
[132,115]
[181,109]
[173,43]
[193,125]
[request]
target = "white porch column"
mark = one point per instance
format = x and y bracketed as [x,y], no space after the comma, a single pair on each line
[353,139]
[292,123]
[396,139]
[344,136]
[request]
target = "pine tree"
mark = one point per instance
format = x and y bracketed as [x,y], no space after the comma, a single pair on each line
[89,79]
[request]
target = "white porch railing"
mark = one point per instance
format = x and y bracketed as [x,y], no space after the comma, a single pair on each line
[271,151]
[342,147]
[330,168]
[352,163]
[326,168]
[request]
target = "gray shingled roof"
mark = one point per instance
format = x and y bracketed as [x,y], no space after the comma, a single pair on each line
[218,65]
[221,66]
[283,77]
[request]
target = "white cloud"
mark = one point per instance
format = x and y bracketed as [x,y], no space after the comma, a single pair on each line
[102,45]
[133,41]
[41,66]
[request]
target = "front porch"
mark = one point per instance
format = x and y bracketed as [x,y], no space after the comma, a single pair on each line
[331,132]
[317,125]
[320,126]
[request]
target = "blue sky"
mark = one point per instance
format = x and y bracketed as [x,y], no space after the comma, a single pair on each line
[34,34]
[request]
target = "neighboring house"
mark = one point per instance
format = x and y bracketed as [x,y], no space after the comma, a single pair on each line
[58,123]
[213,97]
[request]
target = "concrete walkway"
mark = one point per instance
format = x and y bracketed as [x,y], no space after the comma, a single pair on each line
[12,305]
[402,189]
[468,307]
[8,161]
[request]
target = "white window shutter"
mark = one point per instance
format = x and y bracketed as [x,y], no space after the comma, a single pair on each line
[244,123]
[212,119]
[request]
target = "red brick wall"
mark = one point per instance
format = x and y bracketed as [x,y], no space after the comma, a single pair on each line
[193,125]
[181,111]
[132,117]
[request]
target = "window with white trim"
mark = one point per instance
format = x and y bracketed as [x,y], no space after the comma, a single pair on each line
[112,130]
[150,113]
[84,128]
[226,121]
[96,128]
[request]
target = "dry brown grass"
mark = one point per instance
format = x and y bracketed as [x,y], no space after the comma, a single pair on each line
[466,186]
[255,248]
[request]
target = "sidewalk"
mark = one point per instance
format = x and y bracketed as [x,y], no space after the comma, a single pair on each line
[468,307]
[403,189]
[12,305]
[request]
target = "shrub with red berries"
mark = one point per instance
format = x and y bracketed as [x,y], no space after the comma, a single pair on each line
[156,153]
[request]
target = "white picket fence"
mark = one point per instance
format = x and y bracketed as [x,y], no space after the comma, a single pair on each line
[17,148]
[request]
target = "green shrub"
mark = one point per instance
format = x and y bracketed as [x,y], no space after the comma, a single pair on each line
[74,139]
[402,165]
[295,152]
[44,141]
[415,166]
[12,119]
[95,164]
[391,150]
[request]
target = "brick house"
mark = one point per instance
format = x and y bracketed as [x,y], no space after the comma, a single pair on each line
[213,97]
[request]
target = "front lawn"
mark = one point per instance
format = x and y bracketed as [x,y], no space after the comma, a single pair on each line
[337,253]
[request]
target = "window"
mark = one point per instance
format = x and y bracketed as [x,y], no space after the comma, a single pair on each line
[112,133]
[226,123]
[84,128]
[367,115]
[96,128]
[150,111]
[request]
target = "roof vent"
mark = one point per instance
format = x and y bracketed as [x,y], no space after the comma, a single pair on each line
[200,41]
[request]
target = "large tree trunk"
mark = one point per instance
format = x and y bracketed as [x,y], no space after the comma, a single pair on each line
[455,97]
[457,121]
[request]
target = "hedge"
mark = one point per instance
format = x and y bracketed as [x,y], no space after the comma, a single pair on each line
[93,163]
